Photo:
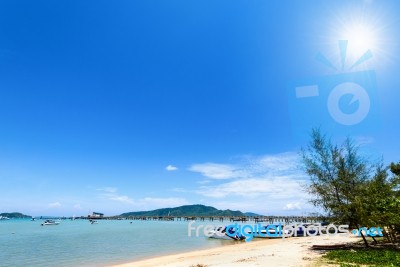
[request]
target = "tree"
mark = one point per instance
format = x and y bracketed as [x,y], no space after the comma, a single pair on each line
[395,168]
[350,188]
[337,175]
[381,204]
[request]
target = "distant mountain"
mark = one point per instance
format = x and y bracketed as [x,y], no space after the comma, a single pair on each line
[252,214]
[14,215]
[187,210]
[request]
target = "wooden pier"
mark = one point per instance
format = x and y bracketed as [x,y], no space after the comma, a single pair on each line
[230,219]
[253,219]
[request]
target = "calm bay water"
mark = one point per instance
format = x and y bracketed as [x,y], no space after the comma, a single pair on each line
[73,243]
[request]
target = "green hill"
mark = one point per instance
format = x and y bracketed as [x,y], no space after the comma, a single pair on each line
[187,210]
[14,215]
[252,214]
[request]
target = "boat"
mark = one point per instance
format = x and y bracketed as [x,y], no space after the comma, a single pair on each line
[221,232]
[93,221]
[329,247]
[277,230]
[271,231]
[4,218]
[50,222]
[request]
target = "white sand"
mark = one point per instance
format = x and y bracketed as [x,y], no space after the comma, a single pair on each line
[292,251]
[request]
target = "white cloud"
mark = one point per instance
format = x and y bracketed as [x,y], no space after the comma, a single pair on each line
[162,202]
[111,193]
[249,166]
[171,168]
[54,205]
[214,170]
[364,140]
[123,199]
[272,188]
[292,206]
[268,184]
[142,203]
[108,189]
[275,176]
[283,164]
[280,162]
[179,189]
[203,182]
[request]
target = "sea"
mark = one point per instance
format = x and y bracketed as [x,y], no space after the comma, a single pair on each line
[79,243]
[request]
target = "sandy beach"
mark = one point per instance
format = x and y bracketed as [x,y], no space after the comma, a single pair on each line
[294,251]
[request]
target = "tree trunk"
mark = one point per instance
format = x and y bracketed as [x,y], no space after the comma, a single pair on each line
[365,240]
[363,237]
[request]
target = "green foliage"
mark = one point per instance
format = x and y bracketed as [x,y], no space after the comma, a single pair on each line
[351,189]
[381,201]
[369,257]
[337,175]
[349,265]
[395,168]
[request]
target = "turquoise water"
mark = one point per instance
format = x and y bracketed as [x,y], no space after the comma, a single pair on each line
[73,243]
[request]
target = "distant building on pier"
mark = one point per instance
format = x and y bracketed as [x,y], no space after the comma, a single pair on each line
[96,215]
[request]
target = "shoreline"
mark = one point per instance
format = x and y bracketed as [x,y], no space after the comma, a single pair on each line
[293,251]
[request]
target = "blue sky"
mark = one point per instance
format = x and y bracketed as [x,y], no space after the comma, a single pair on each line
[118,106]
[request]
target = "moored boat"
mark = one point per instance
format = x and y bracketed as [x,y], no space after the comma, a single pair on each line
[226,233]
[50,222]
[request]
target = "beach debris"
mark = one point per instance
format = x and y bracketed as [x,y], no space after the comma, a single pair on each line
[247,259]
[328,247]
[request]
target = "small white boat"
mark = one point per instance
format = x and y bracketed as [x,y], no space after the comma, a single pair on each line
[221,233]
[50,222]
[93,221]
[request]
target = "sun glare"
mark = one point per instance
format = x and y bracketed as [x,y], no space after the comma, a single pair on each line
[360,38]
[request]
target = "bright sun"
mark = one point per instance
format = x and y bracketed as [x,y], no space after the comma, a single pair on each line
[360,38]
